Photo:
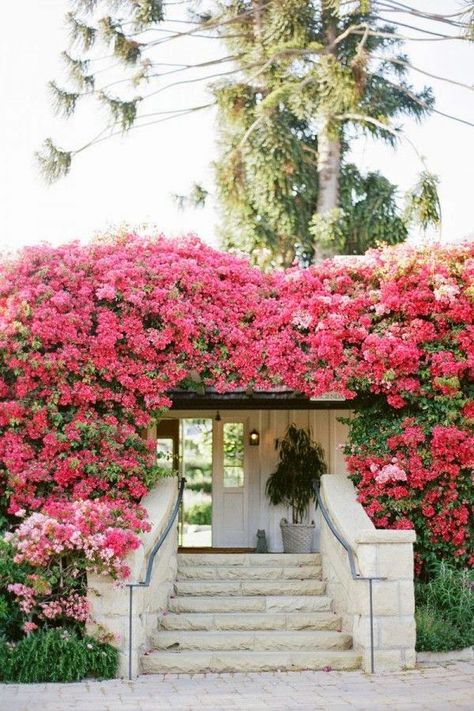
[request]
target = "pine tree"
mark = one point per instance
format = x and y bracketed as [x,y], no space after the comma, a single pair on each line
[323,73]
[302,79]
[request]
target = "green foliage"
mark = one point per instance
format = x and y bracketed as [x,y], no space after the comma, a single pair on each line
[301,464]
[423,206]
[53,162]
[56,655]
[434,634]
[369,215]
[199,514]
[11,618]
[370,212]
[200,485]
[445,610]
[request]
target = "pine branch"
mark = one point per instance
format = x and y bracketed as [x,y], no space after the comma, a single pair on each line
[408,65]
[422,30]
[80,33]
[123,112]
[423,205]
[78,71]
[423,104]
[401,8]
[409,38]
[148,11]
[86,6]
[54,163]
[125,49]
[64,101]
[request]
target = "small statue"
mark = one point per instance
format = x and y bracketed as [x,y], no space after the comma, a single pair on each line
[261,541]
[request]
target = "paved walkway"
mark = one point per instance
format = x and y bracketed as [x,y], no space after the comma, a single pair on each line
[439,688]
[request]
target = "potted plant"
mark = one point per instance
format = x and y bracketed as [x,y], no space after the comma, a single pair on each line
[292,484]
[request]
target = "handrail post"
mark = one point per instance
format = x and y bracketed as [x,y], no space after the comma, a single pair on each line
[146,582]
[371,608]
[130,630]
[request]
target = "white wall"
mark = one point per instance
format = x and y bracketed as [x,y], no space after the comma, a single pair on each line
[261,461]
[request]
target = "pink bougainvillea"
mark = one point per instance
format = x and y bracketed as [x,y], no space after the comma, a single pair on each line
[94,338]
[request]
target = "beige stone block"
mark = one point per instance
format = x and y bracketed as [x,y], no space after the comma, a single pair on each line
[302,572]
[118,627]
[314,620]
[304,640]
[336,660]
[361,631]
[397,632]
[217,604]
[385,660]
[282,587]
[176,663]
[395,561]
[208,587]
[390,598]
[380,536]
[295,603]
[409,658]
[284,559]
[214,559]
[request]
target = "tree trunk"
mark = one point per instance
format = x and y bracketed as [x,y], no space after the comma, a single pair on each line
[329,170]
[329,167]
[329,145]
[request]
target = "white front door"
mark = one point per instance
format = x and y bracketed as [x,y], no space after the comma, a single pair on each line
[230,483]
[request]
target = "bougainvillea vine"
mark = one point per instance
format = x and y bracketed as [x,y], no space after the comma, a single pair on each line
[93,339]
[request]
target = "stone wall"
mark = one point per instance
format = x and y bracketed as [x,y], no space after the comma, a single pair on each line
[380,553]
[110,603]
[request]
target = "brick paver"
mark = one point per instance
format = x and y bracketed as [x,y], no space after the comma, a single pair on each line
[440,688]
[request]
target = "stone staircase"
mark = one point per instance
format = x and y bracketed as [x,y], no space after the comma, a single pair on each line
[249,612]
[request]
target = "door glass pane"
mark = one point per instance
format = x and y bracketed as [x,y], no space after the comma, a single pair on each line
[196,451]
[165,453]
[233,453]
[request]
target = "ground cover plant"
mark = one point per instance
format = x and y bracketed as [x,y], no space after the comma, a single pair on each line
[445,610]
[94,337]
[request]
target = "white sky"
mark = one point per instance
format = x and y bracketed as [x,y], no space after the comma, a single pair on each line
[131,179]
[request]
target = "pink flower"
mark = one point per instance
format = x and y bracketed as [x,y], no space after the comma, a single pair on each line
[29,627]
[390,472]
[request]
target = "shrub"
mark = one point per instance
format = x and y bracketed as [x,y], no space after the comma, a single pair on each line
[445,611]
[199,514]
[56,655]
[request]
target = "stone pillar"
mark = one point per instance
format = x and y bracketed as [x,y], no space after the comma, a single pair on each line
[381,553]
[109,600]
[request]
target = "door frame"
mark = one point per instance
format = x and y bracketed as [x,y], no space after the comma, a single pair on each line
[219,491]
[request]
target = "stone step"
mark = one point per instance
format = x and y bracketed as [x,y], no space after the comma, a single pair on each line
[249,572]
[245,559]
[256,603]
[190,662]
[249,587]
[250,640]
[250,621]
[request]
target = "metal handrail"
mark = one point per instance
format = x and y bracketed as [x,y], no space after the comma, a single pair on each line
[352,564]
[149,569]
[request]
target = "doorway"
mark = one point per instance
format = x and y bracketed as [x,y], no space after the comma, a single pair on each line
[211,453]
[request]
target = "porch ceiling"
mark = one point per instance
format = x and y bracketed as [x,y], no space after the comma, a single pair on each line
[276,399]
